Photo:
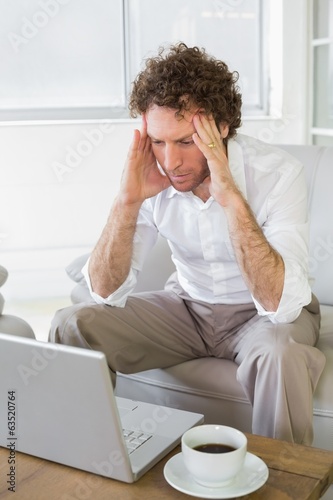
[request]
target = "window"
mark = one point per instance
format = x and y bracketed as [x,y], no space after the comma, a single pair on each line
[232,31]
[60,58]
[322,45]
[70,59]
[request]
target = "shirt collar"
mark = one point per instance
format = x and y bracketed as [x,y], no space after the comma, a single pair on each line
[171,192]
[236,165]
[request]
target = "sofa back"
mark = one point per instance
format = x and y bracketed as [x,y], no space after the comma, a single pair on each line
[318,165]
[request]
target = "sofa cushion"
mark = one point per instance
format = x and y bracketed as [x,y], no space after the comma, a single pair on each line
[3,278]
[3,275]
[15,326]
[321,232]
[207,385]
[74,269]
[317,161]
[323,396]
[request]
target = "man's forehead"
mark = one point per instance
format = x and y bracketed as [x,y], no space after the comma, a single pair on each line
[179,115]
[165,119]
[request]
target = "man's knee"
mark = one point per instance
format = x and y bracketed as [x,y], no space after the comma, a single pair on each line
[277,342]
[292,349]
[68,321]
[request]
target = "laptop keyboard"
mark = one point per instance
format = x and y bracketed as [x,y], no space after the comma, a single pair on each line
[135,439]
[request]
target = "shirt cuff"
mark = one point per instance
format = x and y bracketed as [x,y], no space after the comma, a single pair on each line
[279,316]
[119,297]
[296,294]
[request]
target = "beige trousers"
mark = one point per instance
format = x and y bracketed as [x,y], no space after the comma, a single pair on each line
[278,365]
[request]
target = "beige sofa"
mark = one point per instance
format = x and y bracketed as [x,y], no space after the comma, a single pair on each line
[9,323]
[209,385]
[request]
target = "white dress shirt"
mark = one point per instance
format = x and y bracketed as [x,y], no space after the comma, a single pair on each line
[273,183]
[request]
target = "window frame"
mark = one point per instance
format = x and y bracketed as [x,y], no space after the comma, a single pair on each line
[319,135]
[85,113]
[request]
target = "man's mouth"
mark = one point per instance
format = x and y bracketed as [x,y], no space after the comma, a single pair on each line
[178,177]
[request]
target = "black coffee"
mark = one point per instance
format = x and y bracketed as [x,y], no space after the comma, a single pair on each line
[214,448]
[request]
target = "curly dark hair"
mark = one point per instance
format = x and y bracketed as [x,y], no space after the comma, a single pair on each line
[185,77]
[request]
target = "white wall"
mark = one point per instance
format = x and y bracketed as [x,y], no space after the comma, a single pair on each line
[58,182]
[49,216]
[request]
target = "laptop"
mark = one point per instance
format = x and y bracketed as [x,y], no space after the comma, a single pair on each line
[57,403]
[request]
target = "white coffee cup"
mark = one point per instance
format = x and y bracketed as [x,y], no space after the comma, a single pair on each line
[214,467]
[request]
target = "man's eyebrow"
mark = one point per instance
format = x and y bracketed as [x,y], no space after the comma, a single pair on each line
[180,139]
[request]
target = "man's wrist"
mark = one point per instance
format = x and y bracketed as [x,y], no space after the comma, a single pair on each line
[125,208]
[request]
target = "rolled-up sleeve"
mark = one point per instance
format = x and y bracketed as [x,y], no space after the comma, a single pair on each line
[118,297]
[288,232]
[296,294]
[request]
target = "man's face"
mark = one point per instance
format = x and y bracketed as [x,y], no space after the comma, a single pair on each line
[171,137]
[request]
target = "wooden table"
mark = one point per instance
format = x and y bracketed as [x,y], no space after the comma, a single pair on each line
[295,472]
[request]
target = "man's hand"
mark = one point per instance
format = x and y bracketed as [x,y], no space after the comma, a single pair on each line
[220,183]
[141,177]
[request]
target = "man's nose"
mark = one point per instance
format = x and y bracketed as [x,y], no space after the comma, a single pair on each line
[172,157]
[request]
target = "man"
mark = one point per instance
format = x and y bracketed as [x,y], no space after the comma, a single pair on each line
[234,213]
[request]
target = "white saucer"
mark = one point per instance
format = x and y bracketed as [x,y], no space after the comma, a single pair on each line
[253,475]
